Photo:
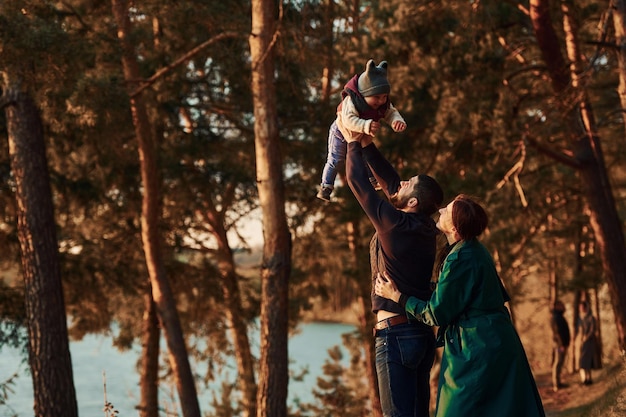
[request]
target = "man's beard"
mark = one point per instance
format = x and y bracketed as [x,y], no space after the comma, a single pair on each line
[399,202]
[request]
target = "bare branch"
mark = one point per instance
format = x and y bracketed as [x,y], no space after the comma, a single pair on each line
[603,26]
[528,68]
[274,36]
[514,172]
[163,71]
[553,153]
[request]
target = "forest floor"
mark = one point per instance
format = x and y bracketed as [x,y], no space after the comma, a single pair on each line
[606,397]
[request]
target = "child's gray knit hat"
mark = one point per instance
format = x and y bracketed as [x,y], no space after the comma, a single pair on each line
[374,80]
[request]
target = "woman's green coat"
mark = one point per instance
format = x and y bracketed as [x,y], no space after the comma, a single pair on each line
[484,369]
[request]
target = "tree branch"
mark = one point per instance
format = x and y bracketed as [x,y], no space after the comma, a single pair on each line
[163,71]
[274,37]
[553,153]
[514,172]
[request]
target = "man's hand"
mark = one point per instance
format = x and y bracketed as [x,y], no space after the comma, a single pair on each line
[366,140]
[374,128]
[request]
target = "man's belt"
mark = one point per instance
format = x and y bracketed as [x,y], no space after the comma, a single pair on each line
[390,322]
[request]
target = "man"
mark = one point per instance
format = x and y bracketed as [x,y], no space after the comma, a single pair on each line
[561,339]
[404,246]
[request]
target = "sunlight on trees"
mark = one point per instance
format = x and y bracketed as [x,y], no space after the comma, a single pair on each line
[517,104]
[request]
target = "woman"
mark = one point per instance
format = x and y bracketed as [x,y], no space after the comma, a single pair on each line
[484,369]
[587,355]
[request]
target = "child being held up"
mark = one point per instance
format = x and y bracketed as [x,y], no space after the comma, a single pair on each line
[365,102]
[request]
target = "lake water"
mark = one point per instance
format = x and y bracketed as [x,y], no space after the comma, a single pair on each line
[95,354]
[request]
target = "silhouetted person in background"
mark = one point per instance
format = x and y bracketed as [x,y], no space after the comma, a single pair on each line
[587,330]
[561,340]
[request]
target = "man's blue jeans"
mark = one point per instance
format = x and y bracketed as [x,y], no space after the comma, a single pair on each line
[404,356]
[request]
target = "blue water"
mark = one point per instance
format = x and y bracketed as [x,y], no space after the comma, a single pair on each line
[95,355]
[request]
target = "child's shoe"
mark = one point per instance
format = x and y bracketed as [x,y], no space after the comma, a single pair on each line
[324,193]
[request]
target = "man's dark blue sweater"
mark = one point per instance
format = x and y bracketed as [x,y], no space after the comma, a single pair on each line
[405,242]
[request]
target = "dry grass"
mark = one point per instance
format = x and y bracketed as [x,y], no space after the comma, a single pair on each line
[606,397]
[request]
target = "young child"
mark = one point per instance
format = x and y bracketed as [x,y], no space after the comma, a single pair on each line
[365,101]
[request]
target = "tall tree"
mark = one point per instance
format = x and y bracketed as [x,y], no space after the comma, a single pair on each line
[367,320]
[150,215]
[211,168]
[48,344]
[617,9]
[275,271]
[151,335]
[232,299]
[585,153]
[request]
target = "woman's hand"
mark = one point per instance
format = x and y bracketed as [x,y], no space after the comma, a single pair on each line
[385,287]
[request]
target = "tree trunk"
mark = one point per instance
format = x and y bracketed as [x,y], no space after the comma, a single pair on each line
[48,345]
[232,302]
[276,268]
[574,339]
[553,279]
[598,351]
[618,10]
[149,376]
[327,75]
[239,329]
[150,213]
[366,317]
[587,151]
[239,333]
